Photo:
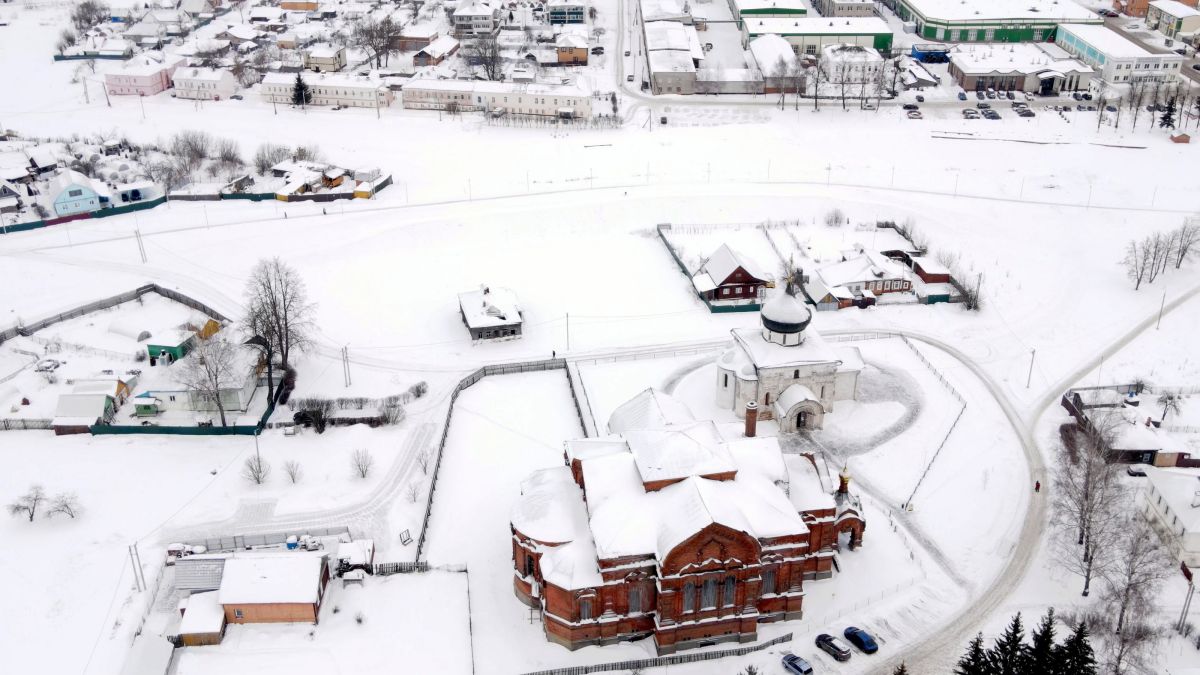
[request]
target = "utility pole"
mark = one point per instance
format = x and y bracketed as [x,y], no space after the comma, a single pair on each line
[1161,307]
[142,101]
[137,233]
[1187,603]
[137,579]
[568,331]
[346,364]
[1029,378]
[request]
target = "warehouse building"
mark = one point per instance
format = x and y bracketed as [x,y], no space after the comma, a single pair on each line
[991,21]
[808,35]
[1117,61]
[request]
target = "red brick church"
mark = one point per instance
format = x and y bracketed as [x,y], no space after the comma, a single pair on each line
[688,532]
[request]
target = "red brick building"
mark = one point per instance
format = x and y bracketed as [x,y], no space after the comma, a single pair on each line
[681,533]
[729,275]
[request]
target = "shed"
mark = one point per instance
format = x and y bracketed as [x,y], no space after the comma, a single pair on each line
[1181,138]
[203,620]
[199,572]
[491,312]
[171,345]
[77,413]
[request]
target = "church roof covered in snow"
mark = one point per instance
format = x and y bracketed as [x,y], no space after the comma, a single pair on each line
[651,409]
[695,449]
[550,509]
[788,311]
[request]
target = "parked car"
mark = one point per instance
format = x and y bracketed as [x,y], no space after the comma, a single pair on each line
[920,98]
[1182,51]
[597,50]
[983,106]
[970,113]
[1009,95]
[626,52]
[834,647]
[1026,113]
[796,665]
[1077,96]
[868,106]
[1136,470]
[1028,96]
[861,639]
[1113,108]
[629,78]
[962,95]
[47,366]
[1196,66]
[236,97]
[662,120]
[915,115]
[911,106]
[979,95]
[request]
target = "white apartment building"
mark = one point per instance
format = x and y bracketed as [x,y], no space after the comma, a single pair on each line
[548,100]
[851,63]
[343,90]
[206,84]
[475,18]
[1118,61]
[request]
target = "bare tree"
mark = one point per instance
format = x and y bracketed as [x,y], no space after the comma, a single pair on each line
[1158,248]
[191,146]
[1127,651]
[1186,238]
[1137,261]
[65,39]
[842,77]
[412,491]
[424,459]
[256,469]
[89,13]
[392,413]
[228,156]
[1139,566]
[484,52]
[293,470]
[1089,499]
[278,308]
[363,462]
[308,153]
[268,155]
[28,503]
[1170,402]
[66,503]
[375,37]
[835,218]
[210,369]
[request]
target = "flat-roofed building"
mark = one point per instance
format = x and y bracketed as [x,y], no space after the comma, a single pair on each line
[1117,61]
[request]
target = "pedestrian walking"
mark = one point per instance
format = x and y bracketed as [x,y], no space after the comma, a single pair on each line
[1037,486]
[553,354]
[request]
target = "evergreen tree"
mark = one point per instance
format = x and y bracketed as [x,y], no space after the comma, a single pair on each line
[1075,656]
[975,661]
[1008,655]
[1167,121]
[1043,654]
[900,669]
[300,92]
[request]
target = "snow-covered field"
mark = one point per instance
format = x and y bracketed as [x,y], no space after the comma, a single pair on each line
[1038,210]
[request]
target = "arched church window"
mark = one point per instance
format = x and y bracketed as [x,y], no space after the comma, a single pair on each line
[689,597]
[796,374]
[635,599]
[768,582]
[730,592]
[585,609]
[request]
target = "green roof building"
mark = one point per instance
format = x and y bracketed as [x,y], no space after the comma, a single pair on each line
[993,20]
[807,35]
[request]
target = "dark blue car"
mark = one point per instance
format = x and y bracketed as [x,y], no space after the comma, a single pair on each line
[861,639]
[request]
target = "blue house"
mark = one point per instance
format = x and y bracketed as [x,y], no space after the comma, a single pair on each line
[75,193]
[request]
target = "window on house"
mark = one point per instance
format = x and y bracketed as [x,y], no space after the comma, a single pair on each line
[237,614]
[989,35]
[726,379]
[708,596]
[585,610]
[74,193]
[689,597]
[635,599]
[729,595]
[528,564]
[796,374]
[725,291]
[768,582]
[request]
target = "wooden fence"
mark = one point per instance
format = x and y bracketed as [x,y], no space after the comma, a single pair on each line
[21,424]
[674,659]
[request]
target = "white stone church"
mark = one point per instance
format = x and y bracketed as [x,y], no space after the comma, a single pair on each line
[790,373]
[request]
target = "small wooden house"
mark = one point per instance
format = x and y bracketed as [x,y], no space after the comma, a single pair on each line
[728,275]
[282,588]
[1181,138]
[203,621]
[930,270]
[77,413]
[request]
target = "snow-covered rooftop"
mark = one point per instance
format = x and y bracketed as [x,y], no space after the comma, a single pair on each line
[765,354]
[869,266]
[1106,41]
[485,87]
[290,577]
[769,50]
[1178,487]
[1011,57]
[673,35]
[671,61]
[490,306]
[817,26]
[664,10]
[651,409]
[724,262]
[693,449]
[204,614]
[1175,8]
[984,10]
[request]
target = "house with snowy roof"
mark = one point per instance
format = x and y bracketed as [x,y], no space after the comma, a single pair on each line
[651,409]
[10,197]
[787,371]
[207,84]
[491,312]
[72,193]
[475,18]
[859,280]
[435,52]
[572,49]
[325,58]
[77,413]
[1172,506]
[730,277]
[689,534]
[273,588]
[146,74]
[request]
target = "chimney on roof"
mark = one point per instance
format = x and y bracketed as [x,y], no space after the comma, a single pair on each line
[751,418]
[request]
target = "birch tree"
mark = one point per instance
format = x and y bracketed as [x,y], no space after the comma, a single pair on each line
[1136,262]
[1139,566]
[209,369]
[1186,238]
[1089,501]
[277,308]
